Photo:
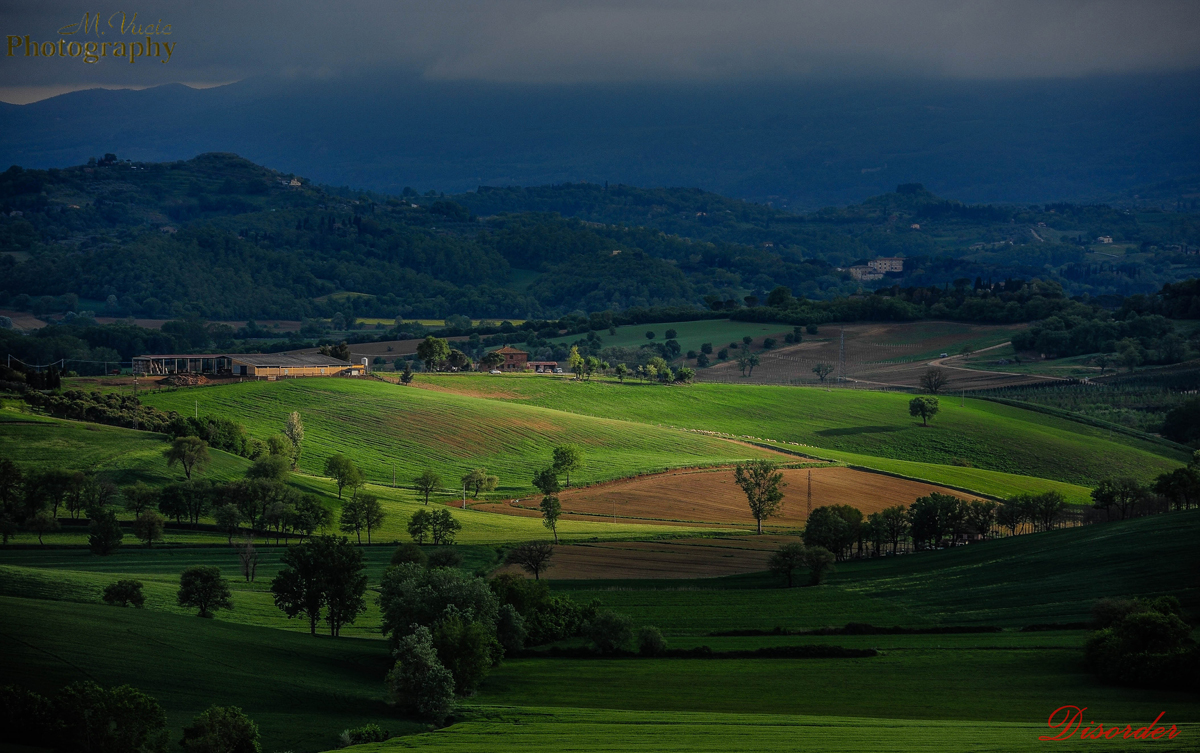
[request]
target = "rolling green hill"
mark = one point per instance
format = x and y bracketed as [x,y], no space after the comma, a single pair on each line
[378,424]
[988,435]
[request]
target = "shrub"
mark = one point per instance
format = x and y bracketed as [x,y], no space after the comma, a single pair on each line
[368,733]
[547,618]
[651,642]
[610,632]
[408,553]
[444,558]
[124,593]
[221,729]
[419,683]
[26,718]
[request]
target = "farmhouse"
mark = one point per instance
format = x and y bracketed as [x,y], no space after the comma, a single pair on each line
[514,360]
[863,272]
[268,366]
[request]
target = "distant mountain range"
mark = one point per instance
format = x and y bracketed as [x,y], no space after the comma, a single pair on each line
[796,146]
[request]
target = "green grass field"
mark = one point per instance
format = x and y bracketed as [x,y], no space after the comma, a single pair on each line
[959,692]
[378,424]
[988,435]
[1052,577]
[302,691]
[538,729]
[124,455]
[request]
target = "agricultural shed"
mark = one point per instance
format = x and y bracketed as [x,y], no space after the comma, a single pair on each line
[258,366]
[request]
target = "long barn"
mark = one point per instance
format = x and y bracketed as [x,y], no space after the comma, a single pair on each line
[254,366]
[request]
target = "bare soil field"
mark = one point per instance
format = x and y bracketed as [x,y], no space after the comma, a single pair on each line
[710,496]
[691,558]
[878,355]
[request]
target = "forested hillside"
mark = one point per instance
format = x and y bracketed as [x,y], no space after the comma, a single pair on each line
[222,238]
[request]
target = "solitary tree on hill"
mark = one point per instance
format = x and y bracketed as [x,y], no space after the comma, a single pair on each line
[427,483]
[823,370]
[925,407]
[189,452]
[762,483]
[478,480]
[344,472]
[202,587]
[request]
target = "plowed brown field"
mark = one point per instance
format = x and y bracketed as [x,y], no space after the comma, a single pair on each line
[693,558]
[711,496]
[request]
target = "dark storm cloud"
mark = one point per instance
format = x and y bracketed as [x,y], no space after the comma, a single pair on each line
[593,40]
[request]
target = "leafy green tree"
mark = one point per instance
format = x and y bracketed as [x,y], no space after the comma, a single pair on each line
[980,516]
[1120,494]
[418,683]
[895,524]
[344,472]
[420,525]
[149,527]
[551,511]
[221,729]
[468,648]
[443,527]
[621,371]
[411,595]
[1181,486]
[139,497]
[649,335]
[834,528]
[406,376]
[576,363]
[189,452]
[822,370]
[433,351]
[786,560]
[427,483]
[1047,508]
[228,518]
[478,480]
[270,468]
[923,406]
[104,533]
[491,360]
[751,362]
[1012,513]
[567,458]
[373,514]
[685,375]
[294,430]
[820,564]
[763,484]
[202,587]
[352,518]
[510,629]
[43,523]
[124,593]
[610,632]
[445,557]
[934,518]
[532,556]
[408,553]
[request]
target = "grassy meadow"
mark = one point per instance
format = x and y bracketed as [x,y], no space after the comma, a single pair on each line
[987,435]
[378,424]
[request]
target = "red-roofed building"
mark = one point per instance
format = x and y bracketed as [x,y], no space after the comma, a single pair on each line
[514,360]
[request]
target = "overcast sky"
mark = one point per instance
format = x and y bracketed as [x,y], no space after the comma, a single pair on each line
[572,41]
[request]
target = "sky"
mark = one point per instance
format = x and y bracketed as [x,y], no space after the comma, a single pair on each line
[591,41]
